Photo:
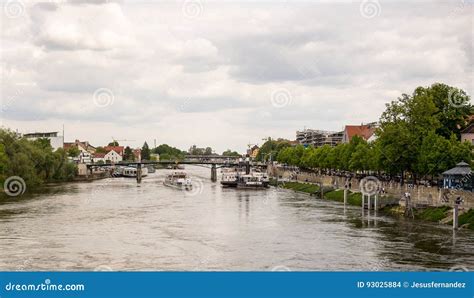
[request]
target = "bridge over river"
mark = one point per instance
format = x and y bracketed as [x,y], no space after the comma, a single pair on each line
[211,161]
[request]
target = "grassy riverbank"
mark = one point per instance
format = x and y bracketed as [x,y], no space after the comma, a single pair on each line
[432,214]
[329,193]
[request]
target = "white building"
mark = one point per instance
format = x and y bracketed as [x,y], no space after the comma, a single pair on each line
[98,157]
[55,140]
[113,156]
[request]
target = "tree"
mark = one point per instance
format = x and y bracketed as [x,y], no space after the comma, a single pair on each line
[359,160]
[145,152]
[100,150]
[453,108]
[114,143]
[167,152]
[33,161]
[231,153]
[271,148]
[128,154]
[73,151]
[208,151]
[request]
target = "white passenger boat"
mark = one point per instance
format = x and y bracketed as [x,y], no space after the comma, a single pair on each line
[179,180]
[254,180]
[229,177]
[241,179]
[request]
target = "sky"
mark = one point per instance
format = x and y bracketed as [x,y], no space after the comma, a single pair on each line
[223,74]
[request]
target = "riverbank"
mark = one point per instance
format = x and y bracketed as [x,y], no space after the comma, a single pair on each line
[441,215]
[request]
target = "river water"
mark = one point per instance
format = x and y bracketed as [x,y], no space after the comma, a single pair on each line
[113,224]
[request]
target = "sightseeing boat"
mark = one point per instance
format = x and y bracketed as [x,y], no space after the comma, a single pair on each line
[244,179]
[253,180]
[179,180]
[229,177]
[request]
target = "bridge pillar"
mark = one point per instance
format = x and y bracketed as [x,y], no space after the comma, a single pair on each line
[139,173]
[213,173]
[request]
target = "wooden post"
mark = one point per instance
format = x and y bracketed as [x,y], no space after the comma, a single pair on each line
[321,189]
[455,216]
[213,173]
[139,173]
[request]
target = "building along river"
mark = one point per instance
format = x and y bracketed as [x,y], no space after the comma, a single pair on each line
[115,224]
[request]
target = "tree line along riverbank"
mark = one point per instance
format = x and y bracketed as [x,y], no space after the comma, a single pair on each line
[32,163]
[441,214]
[417,138]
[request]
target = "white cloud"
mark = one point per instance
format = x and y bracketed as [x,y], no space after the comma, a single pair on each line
[208,80]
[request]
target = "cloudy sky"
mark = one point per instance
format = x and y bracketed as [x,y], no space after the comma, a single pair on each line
[221,74]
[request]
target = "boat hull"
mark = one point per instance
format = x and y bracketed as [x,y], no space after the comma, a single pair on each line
[229,183]
[178,186]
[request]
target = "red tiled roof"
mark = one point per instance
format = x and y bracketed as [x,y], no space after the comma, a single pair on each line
[67,146]
[99,155]
[118,149]
[469,129]
[364,131]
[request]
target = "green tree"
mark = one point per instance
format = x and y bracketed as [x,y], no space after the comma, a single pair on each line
[73,151]
[145,152]
[167,152]
[34,161]
[100,150]
[128,154]
[114,143]
[271,148]
[231,153]
[453,108]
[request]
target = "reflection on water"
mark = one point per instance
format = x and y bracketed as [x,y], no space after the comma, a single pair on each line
[119,225]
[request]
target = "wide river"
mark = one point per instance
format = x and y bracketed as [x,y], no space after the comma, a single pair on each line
[115,224]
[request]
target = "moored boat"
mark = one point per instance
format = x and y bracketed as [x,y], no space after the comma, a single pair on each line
[253,180]
[229,177]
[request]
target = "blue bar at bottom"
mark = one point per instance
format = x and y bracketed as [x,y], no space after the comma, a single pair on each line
[236,284]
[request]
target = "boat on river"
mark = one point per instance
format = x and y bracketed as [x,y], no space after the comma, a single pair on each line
[244,179]
[229,177]
[179,180]
[253,180]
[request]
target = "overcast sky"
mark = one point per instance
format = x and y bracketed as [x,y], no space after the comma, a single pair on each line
[221,74]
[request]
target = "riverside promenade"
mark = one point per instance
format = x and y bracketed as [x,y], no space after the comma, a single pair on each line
[394,192]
